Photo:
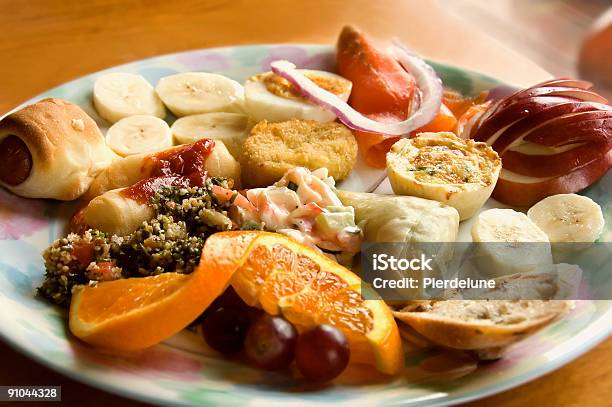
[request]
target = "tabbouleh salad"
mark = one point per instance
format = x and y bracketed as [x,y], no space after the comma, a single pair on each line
[171,241]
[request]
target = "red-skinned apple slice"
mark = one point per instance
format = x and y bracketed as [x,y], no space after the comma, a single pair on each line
[492,124]
[560,82]
[535,120]
[576,93]
[554,163]
[580,127]
[526,191]
[565,82]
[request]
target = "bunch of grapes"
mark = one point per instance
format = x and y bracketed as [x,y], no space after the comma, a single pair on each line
[269,342]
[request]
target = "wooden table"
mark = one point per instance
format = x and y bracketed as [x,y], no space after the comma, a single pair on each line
[47,42]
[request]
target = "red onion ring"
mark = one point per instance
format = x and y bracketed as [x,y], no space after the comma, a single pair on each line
[426,80]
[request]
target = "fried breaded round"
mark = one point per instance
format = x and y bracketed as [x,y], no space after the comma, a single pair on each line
[273,148]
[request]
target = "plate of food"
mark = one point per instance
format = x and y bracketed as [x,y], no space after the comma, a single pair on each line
[187,229]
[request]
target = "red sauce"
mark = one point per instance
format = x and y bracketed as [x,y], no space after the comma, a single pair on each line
[15,161]
[181,167]
[183,160]
[77,222]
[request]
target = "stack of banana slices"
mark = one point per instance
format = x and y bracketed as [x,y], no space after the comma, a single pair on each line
[510,242]
[207,105]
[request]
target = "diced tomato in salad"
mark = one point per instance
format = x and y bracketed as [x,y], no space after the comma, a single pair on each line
[83,253]
[105,268]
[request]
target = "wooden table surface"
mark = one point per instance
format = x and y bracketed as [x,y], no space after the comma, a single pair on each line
[47,42]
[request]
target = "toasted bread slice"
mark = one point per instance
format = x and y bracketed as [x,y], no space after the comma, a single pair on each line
[480,324]
[417,340]
[488,319]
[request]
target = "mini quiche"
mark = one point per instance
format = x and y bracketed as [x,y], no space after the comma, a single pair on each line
[443,167]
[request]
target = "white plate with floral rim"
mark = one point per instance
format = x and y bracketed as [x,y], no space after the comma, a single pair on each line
[182,371]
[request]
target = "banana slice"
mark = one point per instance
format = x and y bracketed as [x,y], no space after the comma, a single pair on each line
[119,95]
[138,134]
[230,128]
[270,97]
[199,92]
[568,218]
[508,242]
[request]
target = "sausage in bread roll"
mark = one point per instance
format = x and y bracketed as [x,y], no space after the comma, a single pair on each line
[51,149]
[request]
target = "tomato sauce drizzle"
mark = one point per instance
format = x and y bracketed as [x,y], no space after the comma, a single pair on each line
[181,167]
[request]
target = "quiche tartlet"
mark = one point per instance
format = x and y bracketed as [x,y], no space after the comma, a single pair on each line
[443,167]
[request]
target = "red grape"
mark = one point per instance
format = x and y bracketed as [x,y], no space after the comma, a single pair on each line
[225,328]
[270,343]
[322,353]
[229,298]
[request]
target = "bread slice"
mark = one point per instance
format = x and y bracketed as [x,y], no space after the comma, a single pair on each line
[550,282]
[417,340]
[480,324]
[488,320]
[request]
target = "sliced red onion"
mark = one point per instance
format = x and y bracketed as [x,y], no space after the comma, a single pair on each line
[426,80]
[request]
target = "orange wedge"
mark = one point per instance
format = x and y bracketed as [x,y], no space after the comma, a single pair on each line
[136,313]
[281,276]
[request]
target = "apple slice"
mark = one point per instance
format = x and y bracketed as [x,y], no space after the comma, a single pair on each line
[564,82]
[576,93]
[520,190]
[493,125]
[516,133]
[551,161]
[560,82]
[583,127]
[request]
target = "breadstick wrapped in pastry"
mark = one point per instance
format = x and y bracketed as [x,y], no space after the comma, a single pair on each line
[116,213]
[121,211]
[203,157]
[51,149]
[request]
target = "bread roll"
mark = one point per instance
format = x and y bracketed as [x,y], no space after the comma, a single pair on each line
[51,149]
[129,170]
[116,214]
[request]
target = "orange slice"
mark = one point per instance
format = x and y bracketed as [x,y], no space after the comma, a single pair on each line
[267,270]
[136,313]
[284,277]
